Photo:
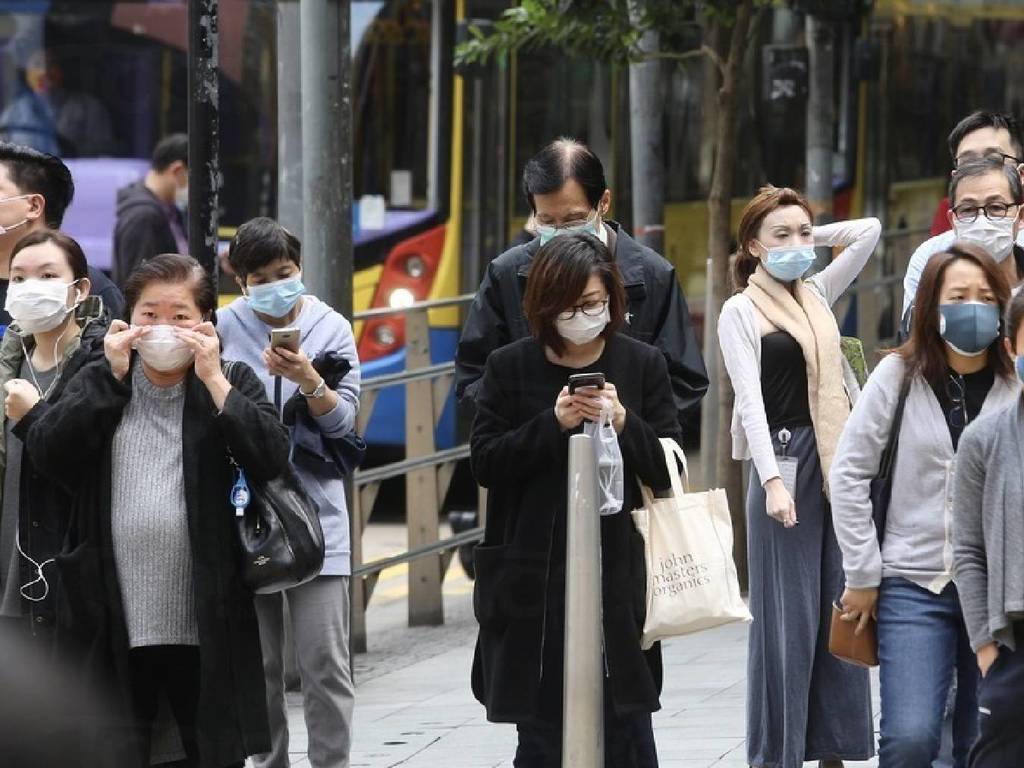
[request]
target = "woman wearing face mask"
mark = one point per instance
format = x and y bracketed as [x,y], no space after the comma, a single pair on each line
[954,367]
[53,335]
[266,260]
[780,344]
[142,439]
[988,537]
[525,413]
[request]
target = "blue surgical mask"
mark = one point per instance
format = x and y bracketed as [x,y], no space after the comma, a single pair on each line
[590,227]
[1020,367]
[276,299]
[787,263]
[969,328]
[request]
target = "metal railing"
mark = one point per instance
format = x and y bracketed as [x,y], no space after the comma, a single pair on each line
[427,471]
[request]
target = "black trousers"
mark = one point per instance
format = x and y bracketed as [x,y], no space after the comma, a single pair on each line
[1000,741]
[174,671]
[628,742]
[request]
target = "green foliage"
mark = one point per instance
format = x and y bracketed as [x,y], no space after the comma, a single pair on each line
[606,30]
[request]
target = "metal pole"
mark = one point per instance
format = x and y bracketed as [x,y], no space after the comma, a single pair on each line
[646,109]
[289,117]
[326,151]
[583,707]
[709,407]
[203,133]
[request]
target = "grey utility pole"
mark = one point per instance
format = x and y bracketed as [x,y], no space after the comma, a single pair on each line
[203,133]
[820,116]
[289,118]
[647,156]
[327,151]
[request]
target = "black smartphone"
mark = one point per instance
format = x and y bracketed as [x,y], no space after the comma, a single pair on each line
[579,380]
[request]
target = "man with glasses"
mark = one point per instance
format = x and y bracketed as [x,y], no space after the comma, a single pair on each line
[979,135]
[566,189]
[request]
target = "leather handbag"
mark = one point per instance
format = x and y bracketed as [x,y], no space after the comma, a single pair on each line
[845,644]
[279,532]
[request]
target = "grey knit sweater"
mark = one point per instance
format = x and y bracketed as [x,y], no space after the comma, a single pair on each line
[149,521]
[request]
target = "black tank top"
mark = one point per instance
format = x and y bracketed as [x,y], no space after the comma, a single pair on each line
[784,382]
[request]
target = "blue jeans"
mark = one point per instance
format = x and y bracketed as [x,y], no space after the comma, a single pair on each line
[922,641]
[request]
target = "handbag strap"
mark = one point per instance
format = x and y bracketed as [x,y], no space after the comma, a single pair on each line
[889,454]
[672,453]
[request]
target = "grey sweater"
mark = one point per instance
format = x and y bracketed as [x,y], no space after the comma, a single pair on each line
[149,522]
[988,538]
[918,543]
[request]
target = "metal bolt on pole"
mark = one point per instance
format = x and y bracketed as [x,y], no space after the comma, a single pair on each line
[583,707]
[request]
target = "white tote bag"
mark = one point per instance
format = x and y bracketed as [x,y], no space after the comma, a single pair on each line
[691,577]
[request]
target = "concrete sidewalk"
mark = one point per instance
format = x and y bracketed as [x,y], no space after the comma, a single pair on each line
[415,709]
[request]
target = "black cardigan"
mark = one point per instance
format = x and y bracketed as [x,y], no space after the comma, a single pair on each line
[71,443]
[520,454]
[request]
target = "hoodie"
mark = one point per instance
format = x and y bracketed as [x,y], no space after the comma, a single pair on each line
[243,338]
[142,230]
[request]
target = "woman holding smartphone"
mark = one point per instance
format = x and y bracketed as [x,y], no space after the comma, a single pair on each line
[575,304]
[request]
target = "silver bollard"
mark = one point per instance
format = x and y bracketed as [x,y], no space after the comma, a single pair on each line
[583,700]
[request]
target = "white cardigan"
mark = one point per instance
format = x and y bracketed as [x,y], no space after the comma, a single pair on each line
[739,335]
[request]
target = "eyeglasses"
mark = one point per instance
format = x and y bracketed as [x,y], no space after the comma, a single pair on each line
[955,391]
[590,309]
[968,212]
[574,224]
[970,157]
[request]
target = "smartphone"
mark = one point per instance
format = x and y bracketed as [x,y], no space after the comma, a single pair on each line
[579,380]
[285,337]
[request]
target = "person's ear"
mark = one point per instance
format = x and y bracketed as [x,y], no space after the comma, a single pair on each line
[241,283]
[84,286]
[755,249]
[605,204]
[36,207]
[1008,344]
[951,218]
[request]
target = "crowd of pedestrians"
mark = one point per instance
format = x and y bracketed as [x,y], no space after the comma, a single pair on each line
[134,424]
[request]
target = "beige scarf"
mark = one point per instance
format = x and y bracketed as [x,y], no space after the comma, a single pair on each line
[805,317]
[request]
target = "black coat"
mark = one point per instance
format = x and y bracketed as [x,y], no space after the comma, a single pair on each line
[43,505]
[520,454]
[72,443]
[657,314]
[141,230]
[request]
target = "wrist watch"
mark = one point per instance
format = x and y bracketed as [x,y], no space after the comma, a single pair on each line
[319,391]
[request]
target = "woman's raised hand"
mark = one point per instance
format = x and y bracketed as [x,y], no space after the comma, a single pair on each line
[117,345]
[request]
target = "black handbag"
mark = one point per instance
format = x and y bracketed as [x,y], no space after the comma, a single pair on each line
[279,532]
[881,485]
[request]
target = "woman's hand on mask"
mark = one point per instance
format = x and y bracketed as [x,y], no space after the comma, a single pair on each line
[117,346]
[21,396]
[205,345]
[566,411]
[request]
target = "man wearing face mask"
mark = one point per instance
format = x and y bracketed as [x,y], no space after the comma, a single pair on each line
[980,134]
[35,191]
[150,213]
[567,192]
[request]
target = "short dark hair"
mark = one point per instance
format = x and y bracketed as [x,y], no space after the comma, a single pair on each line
[925,352]
[560,161]
[172,268]
[981,167]
[168,150]
[72,250]
[38,173]
[558,276]
[259,242]
[981,119]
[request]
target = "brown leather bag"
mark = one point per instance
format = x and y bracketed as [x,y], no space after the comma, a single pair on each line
[845,644]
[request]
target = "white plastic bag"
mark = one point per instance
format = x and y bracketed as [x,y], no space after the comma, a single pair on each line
[691,576]
[609,463]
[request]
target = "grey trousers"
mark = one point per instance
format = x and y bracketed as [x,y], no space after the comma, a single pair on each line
[320,630]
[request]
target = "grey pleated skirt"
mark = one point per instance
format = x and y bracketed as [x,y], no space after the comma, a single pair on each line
[803,704]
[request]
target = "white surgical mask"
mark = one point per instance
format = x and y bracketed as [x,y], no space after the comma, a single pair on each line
[38,305]
[581,328]
[162,350]
[995,236]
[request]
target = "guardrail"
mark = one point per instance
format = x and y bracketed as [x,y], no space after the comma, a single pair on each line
[427,471]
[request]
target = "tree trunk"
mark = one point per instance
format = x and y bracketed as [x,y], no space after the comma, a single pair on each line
[646,109]
[719,226]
